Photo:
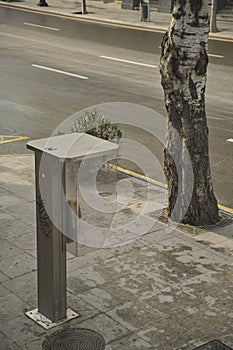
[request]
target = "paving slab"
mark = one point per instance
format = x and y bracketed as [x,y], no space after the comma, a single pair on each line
[8,250]
[22,211]
[131,342]
[108,328]
[105,297]
[11,307]
[7,344]
[84,309]
[92,257]
[22,330]
[26,241]
[11,228]
[17,265]
[3,291]
[34,345]
[24,287]
[87,273]
[3,277]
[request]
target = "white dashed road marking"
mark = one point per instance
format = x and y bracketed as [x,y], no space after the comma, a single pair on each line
[39,26]
[131,62]
[59,71]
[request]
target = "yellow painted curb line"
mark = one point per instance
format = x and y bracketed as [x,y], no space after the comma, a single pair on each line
[214,38]
[155,182]
[223,207]
[12,138]
[137,175]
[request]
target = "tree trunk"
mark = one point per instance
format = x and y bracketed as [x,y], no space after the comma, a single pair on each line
[213,17]
[183,68]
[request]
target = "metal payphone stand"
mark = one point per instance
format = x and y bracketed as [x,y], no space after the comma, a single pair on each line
[52,158]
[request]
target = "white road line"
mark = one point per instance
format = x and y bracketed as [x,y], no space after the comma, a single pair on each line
[217,56]
[37,25]
[230,140]
[210,54]
[126,61]
[60,71]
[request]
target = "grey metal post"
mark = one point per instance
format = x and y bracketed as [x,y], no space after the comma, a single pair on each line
[145,10]
[51,243]
[213,17]
[42,3]
[84,7]
[56,165]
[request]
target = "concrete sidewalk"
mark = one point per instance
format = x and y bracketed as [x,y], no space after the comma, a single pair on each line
[167,290]
[112,13]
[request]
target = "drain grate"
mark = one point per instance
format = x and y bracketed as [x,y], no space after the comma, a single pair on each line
[226,219]
[162,216]
[213,345]
[74,339]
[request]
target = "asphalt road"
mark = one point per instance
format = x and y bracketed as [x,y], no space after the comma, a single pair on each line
[48,74]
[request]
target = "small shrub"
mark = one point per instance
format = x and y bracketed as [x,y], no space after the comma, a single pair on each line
[96,124]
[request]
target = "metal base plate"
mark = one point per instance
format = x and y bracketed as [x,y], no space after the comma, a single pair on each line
[45,322]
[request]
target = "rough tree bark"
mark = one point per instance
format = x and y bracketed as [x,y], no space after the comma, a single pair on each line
[183,68]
